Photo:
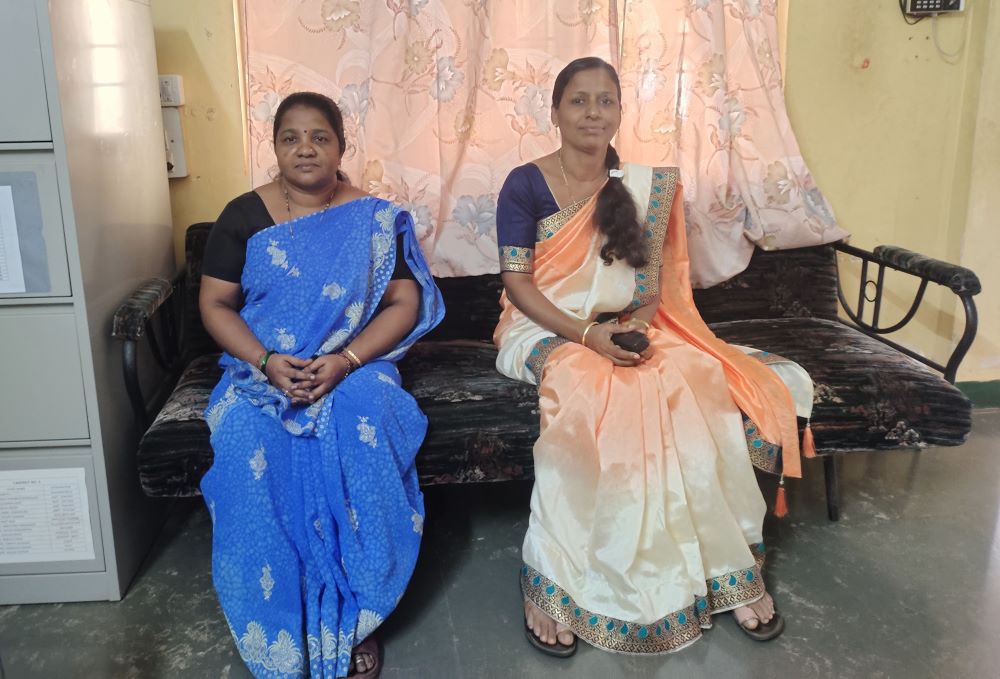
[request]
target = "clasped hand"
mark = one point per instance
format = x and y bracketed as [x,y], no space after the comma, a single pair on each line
[599,340]
[305,380]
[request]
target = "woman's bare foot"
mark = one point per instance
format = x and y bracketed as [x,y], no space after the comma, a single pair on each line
[758,613]
[545,628]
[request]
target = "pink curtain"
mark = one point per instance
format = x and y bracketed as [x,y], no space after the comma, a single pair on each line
[441,98]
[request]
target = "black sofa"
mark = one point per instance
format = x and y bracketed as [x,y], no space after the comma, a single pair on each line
[871,393]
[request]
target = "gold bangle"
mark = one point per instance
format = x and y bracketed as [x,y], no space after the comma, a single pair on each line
[634,318]
[583,337]
[352,357]
[350,364]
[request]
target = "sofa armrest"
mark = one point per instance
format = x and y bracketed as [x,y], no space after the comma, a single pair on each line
[961,281]
[957,278]
[134,314]
[147,314]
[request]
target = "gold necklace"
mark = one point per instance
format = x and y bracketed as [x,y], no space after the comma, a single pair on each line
[288,203]
[572,197]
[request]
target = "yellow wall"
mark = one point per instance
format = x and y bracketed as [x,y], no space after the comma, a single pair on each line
[197,40]
[979,251]
[888,128]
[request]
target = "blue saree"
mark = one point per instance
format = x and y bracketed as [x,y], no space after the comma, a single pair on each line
[316,509]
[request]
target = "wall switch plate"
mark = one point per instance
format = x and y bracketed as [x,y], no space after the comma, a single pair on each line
[919,7]
[171,90]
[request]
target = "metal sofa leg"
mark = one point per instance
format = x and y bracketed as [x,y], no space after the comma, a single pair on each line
[832,486]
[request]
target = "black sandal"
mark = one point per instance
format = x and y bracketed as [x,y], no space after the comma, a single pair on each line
[763,632]
[556,650]
[375,653]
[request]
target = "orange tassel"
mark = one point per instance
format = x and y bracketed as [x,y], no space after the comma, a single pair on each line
[808,446]
[780,503]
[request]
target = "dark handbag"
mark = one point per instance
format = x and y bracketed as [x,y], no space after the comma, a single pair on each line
[633,341]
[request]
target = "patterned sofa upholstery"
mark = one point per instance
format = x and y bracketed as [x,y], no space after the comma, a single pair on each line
[869,395]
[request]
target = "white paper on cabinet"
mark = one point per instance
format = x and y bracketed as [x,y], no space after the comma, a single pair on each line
[11,272]
[44,516]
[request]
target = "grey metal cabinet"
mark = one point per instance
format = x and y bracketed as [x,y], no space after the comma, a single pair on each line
[83,172]
[31,176]
[26,115]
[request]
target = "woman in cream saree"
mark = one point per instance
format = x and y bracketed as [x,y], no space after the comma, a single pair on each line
[646,518]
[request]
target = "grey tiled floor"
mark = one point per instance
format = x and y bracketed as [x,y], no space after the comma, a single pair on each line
[907,584]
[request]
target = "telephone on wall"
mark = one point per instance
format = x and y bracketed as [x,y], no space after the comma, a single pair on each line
[919,7]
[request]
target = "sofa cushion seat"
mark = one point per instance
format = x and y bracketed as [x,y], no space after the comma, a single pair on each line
[455,383]
[867,395]
[482,425]
[174,452]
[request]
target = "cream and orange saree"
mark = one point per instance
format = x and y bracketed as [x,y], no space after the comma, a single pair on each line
[646,516]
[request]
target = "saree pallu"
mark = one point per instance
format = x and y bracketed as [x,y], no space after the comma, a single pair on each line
[646,516]
[317,513]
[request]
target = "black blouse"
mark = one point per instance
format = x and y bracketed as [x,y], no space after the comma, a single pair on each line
[245,215]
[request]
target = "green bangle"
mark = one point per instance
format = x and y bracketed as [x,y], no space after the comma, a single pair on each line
[263,361]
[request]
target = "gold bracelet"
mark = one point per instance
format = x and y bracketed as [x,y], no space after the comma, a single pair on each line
[350,365]
[635,318]
[352,357]
[583,337]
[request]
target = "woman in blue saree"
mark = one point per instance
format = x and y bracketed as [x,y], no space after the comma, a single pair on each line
[314,289]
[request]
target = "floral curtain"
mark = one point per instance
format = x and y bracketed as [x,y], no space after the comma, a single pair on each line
[441,98]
